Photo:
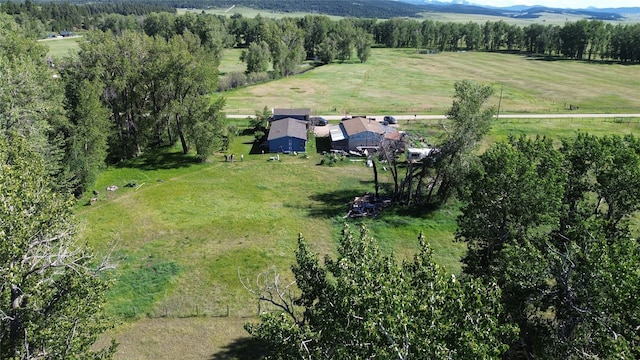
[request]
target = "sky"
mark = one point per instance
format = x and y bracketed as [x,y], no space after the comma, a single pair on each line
[568,4]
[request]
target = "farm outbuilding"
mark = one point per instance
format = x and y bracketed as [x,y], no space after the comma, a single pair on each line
[299,114]
[287,135]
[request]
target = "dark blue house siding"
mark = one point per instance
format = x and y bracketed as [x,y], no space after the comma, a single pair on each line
[287,144]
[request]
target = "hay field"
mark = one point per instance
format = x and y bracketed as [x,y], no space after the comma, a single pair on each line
[401,81]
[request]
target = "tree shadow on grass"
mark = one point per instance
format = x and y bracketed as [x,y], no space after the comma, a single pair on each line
[258,147]
[242,349]
[415,211]
[334,203]
[160,159]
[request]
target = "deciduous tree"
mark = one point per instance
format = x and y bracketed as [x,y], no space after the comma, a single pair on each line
[362,304]
[550,227]
[51,288]
[468,121]
[257,57]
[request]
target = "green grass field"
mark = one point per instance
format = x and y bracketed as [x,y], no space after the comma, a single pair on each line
[61,47]
[401,81]
[182,235]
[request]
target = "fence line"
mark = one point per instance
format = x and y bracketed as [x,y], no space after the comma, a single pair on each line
[198,310]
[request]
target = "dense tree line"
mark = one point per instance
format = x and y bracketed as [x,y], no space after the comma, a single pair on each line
[327,40]
[364,9]
[581,40]
[59,16]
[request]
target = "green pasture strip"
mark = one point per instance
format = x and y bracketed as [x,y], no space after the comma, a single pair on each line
[60,48]
[562,128]
[401,81]
[230,62]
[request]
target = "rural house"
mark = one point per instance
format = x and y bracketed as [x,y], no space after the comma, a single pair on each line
[359,133]
[287,135]
[299,114]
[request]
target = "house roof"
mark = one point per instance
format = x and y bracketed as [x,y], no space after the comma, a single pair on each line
[394,135]
[358,125]
[291,112]
[288,127]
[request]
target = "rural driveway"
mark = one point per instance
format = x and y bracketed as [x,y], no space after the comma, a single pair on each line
[324,130]
[502,116]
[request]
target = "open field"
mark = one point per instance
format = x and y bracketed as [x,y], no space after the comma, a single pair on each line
[401,81]
[61,47]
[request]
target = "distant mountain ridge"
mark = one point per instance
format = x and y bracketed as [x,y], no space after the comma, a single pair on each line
[524,11]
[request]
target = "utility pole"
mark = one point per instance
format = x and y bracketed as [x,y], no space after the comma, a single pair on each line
[499,101]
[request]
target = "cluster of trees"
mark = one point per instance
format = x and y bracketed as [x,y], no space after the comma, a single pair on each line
[156,91]
[119,95]
[550,227]
[364,305]
[288,42]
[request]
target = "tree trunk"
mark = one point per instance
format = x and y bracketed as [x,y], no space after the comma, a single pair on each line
[183,140]
[375,175]
[169,133]
[14,334]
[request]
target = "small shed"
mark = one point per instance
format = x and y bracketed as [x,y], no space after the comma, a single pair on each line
[287,135]
[299,114]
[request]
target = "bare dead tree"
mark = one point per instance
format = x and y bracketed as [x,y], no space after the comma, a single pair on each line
[268,288]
